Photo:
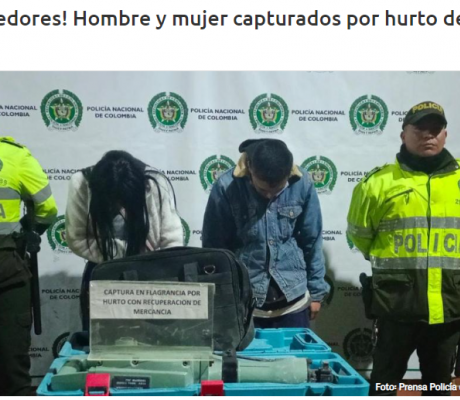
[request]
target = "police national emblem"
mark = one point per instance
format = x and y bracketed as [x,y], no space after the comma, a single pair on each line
[322,172]
[61,110]
[56,236]
[168,112]
[212,168]
[268,113]
[358,345]
[185,231]
[368,115]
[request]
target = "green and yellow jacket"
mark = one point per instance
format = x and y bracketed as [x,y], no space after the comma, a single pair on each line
[407,223]
[22,178]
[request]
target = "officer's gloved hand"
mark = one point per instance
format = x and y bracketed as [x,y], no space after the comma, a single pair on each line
[25,223]
[39,228]
[33,241]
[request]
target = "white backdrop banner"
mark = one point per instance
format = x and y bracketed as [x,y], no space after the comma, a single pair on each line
[339,125]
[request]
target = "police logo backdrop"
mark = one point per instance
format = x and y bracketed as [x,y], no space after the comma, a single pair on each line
[338,125]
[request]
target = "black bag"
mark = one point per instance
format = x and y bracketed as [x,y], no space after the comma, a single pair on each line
[233,305]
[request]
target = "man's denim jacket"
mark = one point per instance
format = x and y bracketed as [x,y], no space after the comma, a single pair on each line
[289,227]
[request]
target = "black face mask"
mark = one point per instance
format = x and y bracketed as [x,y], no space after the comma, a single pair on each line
[428,165]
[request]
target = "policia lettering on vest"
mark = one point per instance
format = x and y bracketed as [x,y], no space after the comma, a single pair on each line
[411,243]
[22,179]
[405,219]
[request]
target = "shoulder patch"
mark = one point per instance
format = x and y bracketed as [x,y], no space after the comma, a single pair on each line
[373,171]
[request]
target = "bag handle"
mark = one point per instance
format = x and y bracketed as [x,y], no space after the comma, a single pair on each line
[229,366]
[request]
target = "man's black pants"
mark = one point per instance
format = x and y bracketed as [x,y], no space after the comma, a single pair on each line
[435,345]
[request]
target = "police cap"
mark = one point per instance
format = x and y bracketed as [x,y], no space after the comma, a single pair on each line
[423,109]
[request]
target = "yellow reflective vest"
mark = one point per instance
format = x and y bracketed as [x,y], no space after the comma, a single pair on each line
[22,178]
[407,223]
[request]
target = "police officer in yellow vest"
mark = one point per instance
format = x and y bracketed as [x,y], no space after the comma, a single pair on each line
[21,178]
[405,219]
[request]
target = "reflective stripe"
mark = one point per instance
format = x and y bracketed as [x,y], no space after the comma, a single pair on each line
[42,195]
[415,263]
[360,231]
[9,227]
[419,222]
[403,223]
[9,194]
[445,223]
[435,305]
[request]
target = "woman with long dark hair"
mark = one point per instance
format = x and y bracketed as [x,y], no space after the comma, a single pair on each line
[116,208]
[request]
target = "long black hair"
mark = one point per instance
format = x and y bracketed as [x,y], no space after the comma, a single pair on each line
[119,181]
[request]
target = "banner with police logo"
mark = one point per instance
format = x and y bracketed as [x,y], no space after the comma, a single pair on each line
[338,125]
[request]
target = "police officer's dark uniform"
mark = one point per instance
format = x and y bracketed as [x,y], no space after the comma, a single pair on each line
[21,178]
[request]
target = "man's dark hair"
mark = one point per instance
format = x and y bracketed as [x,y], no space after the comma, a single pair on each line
[270,160]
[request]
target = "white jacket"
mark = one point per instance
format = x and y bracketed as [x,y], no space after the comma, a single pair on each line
[165,228]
